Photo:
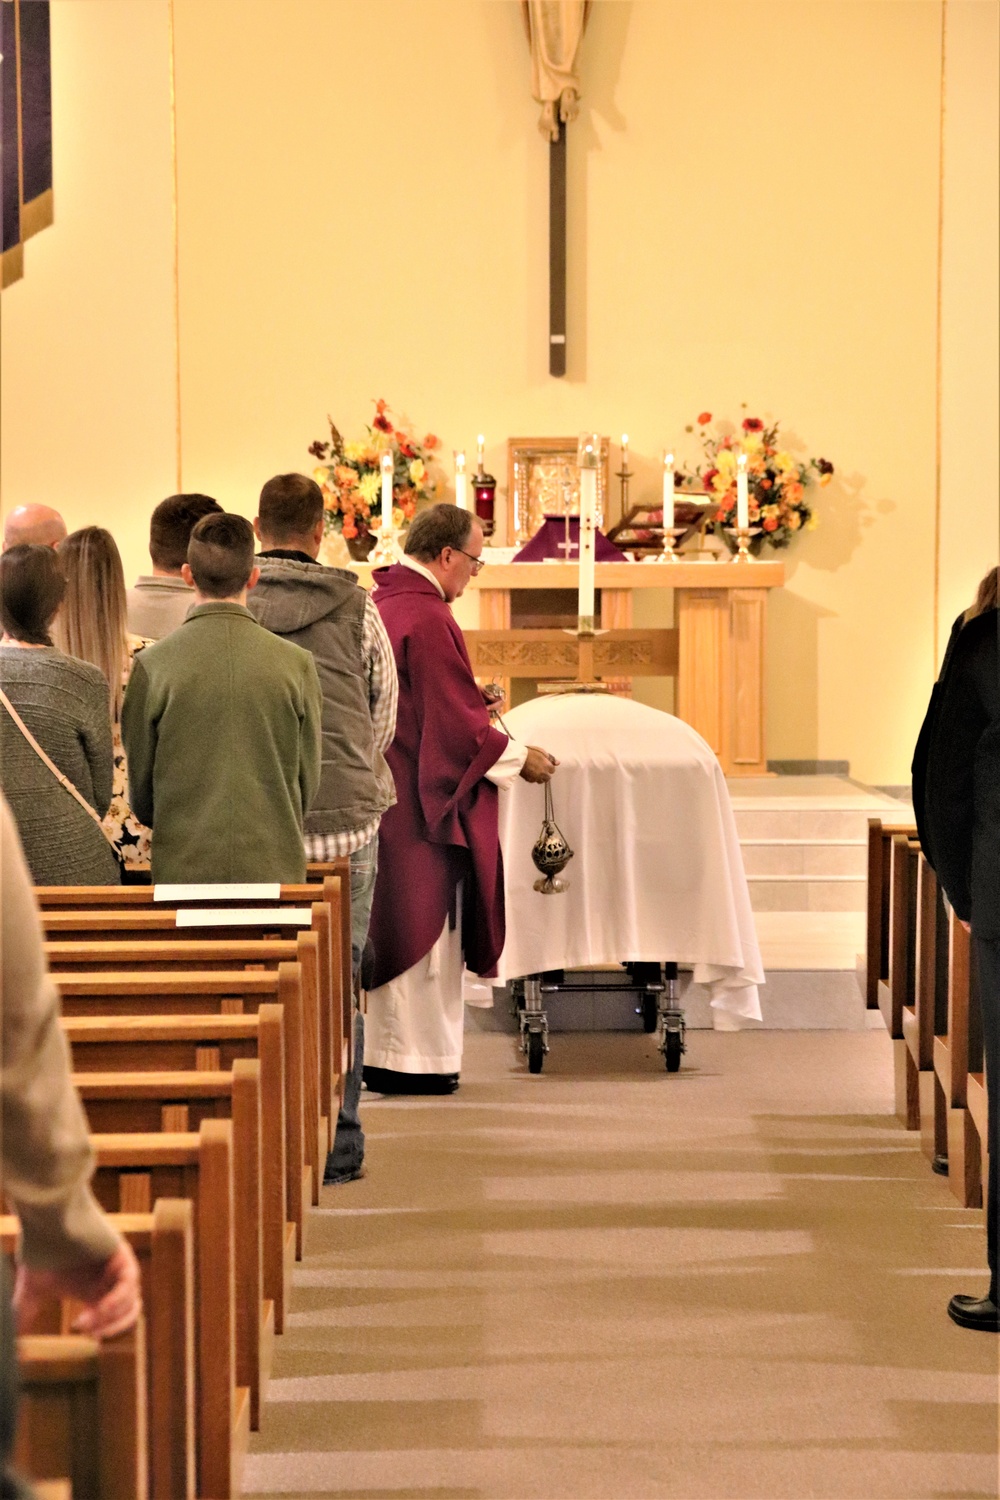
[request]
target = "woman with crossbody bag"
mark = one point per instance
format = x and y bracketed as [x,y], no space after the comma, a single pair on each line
[55,731]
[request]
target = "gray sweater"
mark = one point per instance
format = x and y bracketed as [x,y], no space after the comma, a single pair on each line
[65,704]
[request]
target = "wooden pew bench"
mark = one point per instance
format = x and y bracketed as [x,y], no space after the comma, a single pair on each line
[82,1413]
[132,1172]
[163,1244]
[333,891]
[221,992]
[153,954]
[144,1103]
[161,926]
[165,1045]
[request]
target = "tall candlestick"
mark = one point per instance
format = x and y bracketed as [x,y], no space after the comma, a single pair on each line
[742,494]
[588,457]
[668,491]
[480,445]
[386,494]
[461,486]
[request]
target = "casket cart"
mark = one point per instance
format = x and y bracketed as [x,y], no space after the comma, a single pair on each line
[656,870]
[655,986]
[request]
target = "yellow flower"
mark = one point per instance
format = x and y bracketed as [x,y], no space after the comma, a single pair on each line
[417,470]
[369,486]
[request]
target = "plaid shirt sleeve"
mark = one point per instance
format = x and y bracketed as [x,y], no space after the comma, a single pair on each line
[383,684]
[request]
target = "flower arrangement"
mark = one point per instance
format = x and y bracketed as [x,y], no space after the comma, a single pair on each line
[350,475]
[778,483]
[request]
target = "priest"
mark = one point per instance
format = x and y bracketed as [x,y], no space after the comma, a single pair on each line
[439,902]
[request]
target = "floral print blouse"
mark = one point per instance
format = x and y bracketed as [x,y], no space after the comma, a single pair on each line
[130,839]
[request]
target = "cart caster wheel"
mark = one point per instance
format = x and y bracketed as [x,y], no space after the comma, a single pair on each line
[649,1014]
[672,1051]
[536,1051]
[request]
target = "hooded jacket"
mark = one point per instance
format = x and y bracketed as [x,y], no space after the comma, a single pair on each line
[322,609]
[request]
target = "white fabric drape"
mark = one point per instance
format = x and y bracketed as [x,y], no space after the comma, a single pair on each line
[657,873]
[555,30]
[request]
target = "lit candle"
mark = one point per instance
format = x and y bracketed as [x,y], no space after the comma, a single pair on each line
[480,444]
[588,456]
[668,491]
[461,487]
[742,494]
[386,495]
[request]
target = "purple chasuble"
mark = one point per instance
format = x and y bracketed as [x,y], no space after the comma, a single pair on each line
[443,827]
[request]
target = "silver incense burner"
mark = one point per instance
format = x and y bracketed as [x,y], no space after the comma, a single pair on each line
[551,853]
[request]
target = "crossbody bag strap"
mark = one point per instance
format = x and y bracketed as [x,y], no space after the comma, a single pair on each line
[63,780]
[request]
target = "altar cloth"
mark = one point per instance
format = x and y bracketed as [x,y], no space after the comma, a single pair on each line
[657,872]
[549,539]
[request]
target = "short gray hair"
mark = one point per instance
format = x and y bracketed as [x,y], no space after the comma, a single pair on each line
[435,529]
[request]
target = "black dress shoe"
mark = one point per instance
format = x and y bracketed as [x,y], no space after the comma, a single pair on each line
[388,1081]
[975,1312]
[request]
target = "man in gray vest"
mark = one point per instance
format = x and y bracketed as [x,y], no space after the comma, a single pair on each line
[326,611]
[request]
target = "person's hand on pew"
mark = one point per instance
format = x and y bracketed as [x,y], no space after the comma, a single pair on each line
[109,1289]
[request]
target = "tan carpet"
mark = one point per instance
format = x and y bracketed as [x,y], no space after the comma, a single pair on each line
[609,1282]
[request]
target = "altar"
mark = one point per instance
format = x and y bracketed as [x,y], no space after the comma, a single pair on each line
[715,650]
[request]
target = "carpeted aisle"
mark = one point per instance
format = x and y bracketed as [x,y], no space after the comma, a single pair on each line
[609,1282]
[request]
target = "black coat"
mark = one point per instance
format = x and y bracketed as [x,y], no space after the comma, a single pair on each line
[962,785]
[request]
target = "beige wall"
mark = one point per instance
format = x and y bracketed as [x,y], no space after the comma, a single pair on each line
[88,350]
[970,307]
[754,199]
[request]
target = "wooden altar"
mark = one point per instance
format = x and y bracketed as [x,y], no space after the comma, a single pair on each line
[715,650]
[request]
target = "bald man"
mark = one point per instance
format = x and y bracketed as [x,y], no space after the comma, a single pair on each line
[34,523]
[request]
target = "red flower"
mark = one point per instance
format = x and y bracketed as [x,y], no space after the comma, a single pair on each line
[704,419]
[752,424]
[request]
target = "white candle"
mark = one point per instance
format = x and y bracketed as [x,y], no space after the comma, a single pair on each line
[668,491]
[588,455]
[386,495]
[481,444]
[742,494]
[461,488]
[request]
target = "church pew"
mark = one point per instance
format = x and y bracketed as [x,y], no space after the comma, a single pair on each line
[225,992]
[166,924]
[956,1054]
[880,836]
[928,1015]
[213,1044]
[132,1172]
[334,890]
[896,991]
[82,1413]
[154,953]
[128,1103]
[163,1244]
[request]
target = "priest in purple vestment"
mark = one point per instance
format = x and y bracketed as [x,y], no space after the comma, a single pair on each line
[439,901]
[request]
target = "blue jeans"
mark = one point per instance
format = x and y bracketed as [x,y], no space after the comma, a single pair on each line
[344,1161]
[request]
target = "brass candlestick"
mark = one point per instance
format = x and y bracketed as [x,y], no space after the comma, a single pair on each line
[386,548]
[743,535]
[671,535]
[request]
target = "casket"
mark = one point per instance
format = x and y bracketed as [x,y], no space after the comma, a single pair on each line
[657,872]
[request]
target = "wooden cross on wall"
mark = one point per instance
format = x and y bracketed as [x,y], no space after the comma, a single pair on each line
[555,30]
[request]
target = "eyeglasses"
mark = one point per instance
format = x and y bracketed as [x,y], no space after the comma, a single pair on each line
[478,563]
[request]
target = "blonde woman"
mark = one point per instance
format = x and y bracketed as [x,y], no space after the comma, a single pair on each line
[91,626]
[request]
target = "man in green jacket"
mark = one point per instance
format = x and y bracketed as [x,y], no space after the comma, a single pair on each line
[221,728]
